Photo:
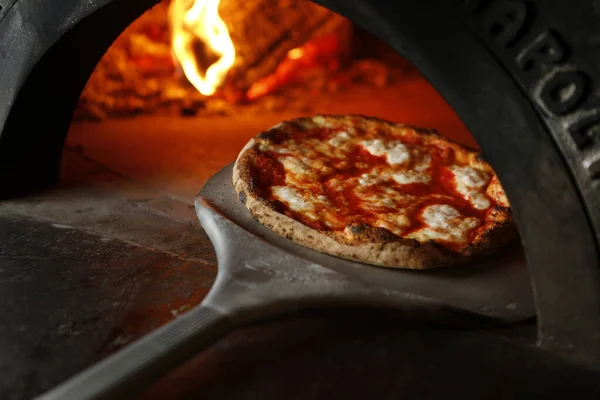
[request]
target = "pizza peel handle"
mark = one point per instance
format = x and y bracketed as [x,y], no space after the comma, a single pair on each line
[136,366]
[246,290]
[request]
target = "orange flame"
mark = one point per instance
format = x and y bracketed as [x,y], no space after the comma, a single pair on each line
[201,21]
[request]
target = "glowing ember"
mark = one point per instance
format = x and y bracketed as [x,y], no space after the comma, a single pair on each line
[201,22]
[326,51]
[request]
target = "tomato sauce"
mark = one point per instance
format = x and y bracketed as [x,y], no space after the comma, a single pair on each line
[266,172]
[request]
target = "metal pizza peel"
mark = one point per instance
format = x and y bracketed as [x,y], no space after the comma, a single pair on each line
[263,275]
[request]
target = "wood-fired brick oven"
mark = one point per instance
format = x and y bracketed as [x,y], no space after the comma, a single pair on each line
[520,74]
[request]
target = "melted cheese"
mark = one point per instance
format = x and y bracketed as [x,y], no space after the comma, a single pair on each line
[319,120]
[336,184]
[394,222]
[340,139]
[445,223]
[295,166]
[470,182]
[424,163]
[394,151]
[293,198]
[417,173]
[315,207]
[373,200]
[372,177]
[408,177]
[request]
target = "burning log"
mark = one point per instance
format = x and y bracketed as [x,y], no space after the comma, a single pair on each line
[323,52]
[276,41]
[264,31]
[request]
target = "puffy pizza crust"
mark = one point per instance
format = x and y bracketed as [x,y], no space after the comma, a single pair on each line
[369,244]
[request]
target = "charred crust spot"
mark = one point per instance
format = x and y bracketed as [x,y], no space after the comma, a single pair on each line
[277,205]
[423,131]
[418,129]
[298,123]
[480,157]
[499,208]
[385,235]
[264,135]
[242,197]
[357,228]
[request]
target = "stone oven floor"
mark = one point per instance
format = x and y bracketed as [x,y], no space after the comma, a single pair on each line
[115,250]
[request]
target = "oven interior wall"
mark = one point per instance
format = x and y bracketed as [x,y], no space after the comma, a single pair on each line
[51,60]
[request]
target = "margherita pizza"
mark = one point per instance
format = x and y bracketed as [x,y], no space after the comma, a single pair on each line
[372,191]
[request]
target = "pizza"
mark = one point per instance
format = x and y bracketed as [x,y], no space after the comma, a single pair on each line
[369,190]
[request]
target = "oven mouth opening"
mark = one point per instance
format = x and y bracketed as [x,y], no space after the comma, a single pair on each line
[142,132]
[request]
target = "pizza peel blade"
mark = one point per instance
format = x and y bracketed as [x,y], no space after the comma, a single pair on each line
[263,275]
